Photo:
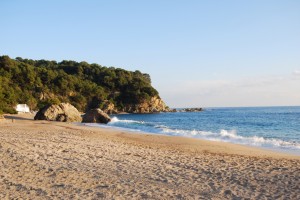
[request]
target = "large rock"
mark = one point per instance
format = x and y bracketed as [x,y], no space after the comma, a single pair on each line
[63,112]
[153,105]
[96,116]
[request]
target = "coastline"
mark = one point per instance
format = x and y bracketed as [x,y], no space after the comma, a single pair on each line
[215,143]
[256,127]
[45,159]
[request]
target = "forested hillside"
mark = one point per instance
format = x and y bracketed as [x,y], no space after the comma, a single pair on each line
[40,82]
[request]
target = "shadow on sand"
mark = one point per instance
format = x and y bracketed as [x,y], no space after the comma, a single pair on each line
[17,117]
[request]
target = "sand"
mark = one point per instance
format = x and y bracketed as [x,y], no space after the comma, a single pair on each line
[52,160]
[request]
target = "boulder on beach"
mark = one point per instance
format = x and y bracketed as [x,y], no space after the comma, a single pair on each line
[63,112]
[96,116]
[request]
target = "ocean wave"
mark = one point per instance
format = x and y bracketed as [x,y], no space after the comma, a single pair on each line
[116,120]
[223,135]
[233,137]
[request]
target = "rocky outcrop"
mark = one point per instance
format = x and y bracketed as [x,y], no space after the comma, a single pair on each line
[191,110]
[96,116]
[63,112]
[154,105]
[109,108]
[172,110]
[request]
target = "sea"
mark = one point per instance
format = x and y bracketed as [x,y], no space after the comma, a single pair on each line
[274,128]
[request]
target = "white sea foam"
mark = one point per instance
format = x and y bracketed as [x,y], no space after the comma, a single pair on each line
[115,120]
[223,135]
[231,136]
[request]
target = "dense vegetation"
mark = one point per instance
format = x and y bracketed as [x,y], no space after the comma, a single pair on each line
[40,82]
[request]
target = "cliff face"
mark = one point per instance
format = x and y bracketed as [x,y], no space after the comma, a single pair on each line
[154,105]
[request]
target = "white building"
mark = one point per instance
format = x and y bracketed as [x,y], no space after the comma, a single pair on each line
[22,108]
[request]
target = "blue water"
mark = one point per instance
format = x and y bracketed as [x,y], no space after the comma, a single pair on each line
[277,128]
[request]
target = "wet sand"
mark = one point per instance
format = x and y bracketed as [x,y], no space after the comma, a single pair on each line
[52,160]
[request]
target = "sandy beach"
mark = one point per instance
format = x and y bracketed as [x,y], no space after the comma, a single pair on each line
[52,160]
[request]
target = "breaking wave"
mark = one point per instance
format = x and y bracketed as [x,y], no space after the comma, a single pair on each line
[223,135]
[232,137]
[116,120]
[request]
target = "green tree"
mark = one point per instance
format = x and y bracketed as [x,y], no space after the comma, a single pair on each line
[41,82]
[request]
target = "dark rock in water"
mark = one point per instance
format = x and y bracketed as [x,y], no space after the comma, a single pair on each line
[96,116]
[63,112]
[191,110]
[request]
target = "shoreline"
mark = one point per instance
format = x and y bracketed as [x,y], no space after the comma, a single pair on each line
[248,150]
[264,151]
[134,131]
[46,160]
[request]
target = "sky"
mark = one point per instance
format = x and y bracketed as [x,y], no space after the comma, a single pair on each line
[198,53]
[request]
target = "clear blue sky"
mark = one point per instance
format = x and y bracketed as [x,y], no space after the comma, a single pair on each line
[198,53]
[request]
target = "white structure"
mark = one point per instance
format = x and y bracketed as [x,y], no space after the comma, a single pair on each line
[22,108]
